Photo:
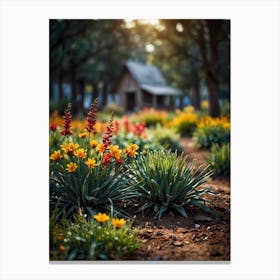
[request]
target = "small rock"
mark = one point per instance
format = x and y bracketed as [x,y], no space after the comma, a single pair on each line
[197,226]
[149,231]
[177,243]
[149,247]
[159,233]
[208,228]
[145,240]
[158,247]
[187,242]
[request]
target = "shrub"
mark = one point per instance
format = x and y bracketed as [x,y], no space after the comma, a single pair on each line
[185,121]
[219,159]
[212,131]
[164,180]
[82,239]
[113,108]
[151,117]
[166,137]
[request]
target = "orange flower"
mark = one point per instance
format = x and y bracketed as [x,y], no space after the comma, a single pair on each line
[93,143]
[83,134]
[118,223]
[69,148]
[91,163]
[101,217]
[115,151]
[100,148]
[62,248]
[56,156]
[131,150]
[71,167]
[80,153]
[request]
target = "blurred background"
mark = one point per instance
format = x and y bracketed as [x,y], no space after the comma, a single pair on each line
[133,64]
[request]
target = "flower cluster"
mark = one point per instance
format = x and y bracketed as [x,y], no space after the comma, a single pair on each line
[211,122]
[67,117]
[116,222]
[91,117]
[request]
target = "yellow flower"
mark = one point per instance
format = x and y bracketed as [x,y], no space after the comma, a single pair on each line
[115,151]
[69,148]
[100,148]
[80,153]
[62,248]
[204,104]
[93,143]
[130,151]
[71,167]
[91,163]
[83,134]
[56,155]
[101,217]
[118,223]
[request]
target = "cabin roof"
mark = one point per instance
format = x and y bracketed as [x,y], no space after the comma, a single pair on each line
[150,79]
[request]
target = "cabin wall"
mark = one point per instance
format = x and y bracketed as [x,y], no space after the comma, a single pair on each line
[128,84]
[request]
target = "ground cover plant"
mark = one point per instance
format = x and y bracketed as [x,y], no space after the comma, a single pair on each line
[212,131]
[166,137]
[219,159]
[97,237]
[185,121]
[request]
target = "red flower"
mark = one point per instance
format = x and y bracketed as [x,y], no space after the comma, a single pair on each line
[117,127]
[139,128]
[119,160]
[67,117]
[91,117]
[53,126]
[106,159]
[127,124]
[106,139]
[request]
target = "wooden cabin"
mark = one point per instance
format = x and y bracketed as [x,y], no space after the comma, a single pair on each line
[142,85]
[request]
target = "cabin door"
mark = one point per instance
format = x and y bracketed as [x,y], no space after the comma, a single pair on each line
[130,101]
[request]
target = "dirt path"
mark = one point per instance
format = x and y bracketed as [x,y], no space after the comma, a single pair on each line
[200,237]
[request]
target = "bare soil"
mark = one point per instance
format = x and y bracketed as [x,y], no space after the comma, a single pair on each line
[200,237]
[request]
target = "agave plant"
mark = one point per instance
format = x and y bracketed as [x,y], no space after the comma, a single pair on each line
[164,180]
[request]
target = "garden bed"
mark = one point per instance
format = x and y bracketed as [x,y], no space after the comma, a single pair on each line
[200,237]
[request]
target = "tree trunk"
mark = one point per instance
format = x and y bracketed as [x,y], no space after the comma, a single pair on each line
[212,79]
[73,93]
[104,94]
[210,64]
[213,89]
[94,93]
[60,88]
[82,94]
[196,90]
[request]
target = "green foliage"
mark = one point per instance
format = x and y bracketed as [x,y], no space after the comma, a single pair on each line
[165,180]
[123,139]
[219,159]
[208,135]
[166,137]
[225,109]
[84,239]
[117,110]
[94,189]
[186,128]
